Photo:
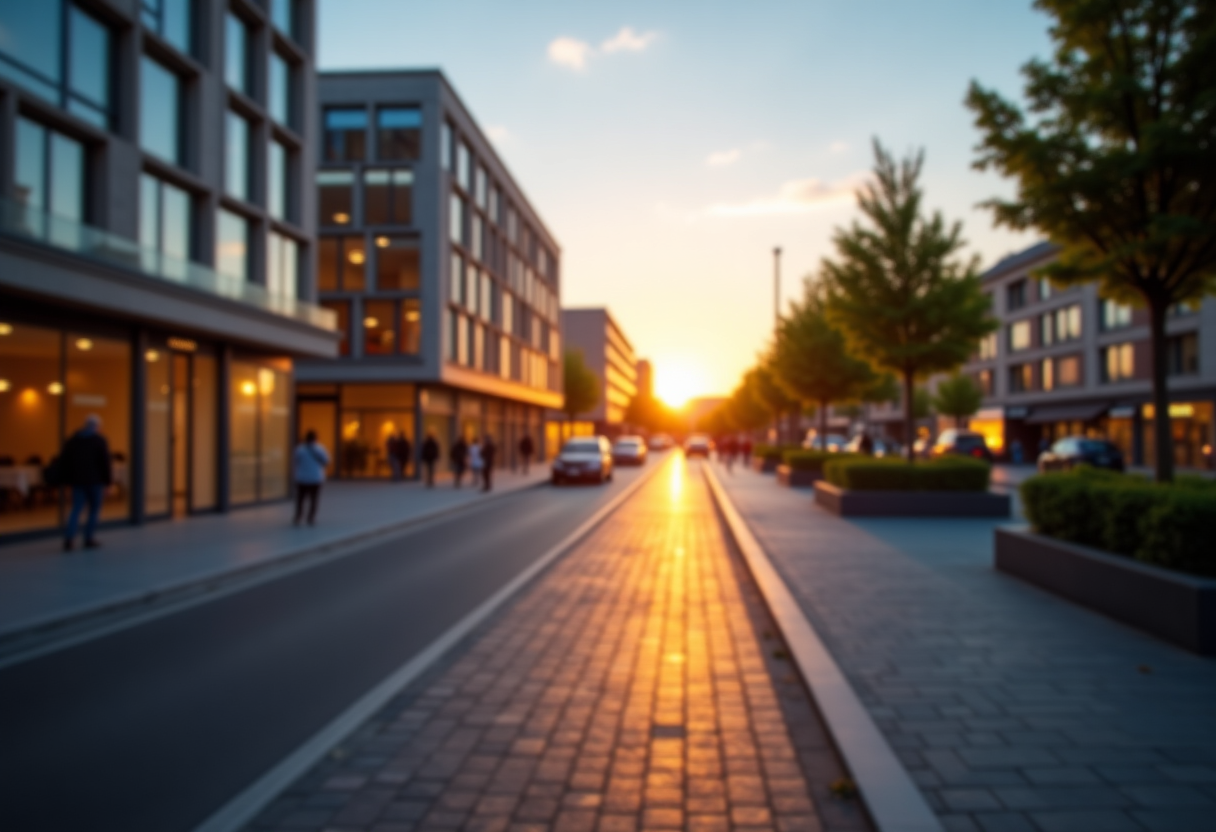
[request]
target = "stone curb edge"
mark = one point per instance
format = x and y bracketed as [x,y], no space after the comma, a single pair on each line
[894,802]
[242,808]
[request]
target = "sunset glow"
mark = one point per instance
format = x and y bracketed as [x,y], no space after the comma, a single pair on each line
[679,379]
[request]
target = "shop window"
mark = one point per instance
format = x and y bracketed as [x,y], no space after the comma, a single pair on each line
[1183,351]
[397,264]
[411,327]
[345,135]
[157,430]
[388,197]
[398,133]
[379,332]
[1019,336]
[232,245]
[1118,363]
[237,42]
[1068,371]
[165,224]
[335,197]
[341,310]
[160,111]
[204,439]
[1015,296]
[1021,378]
[49,177]
[173,20]
[259,442]
[237,170]
[372,414]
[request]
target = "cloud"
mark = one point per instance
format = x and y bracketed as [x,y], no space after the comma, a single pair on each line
[498,134]
[723,157]
[838,147]
[797,196]
[570,52]
[628,40]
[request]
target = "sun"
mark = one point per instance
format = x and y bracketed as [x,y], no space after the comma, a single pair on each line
[677,380]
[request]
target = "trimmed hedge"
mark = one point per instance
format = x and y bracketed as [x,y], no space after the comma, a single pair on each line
[1167,525]
[945,474]
[804,460]
[772,453]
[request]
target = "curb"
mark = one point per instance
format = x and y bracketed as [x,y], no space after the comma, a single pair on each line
[37,630]
[894,802]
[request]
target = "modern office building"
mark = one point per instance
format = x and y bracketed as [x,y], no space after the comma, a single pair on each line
[444,280]
[154,249]
[608,353]
[1068,362]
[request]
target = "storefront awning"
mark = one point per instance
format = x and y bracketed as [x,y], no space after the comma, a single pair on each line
[1067,413]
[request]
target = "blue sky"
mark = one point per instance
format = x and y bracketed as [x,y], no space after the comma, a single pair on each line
[670,146]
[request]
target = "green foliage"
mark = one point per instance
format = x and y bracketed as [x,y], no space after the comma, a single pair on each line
[1166,524]
[958,396]
[800,459]
[580,384]
[1117,162]
[897,287]
[771,453]
[946,474]
[746,410]
[768,390]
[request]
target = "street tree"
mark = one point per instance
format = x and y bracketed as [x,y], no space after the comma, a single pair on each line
[897,288]
[958,396]
[580,384]
[1116,162]
[811,360]
[775,398]
[747,410]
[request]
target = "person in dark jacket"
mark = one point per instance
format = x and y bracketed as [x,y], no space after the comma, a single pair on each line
[85,466]
[430,453]
[460,458]
[526,449]
[488,452]
[405,452]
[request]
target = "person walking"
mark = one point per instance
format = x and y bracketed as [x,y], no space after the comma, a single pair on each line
[477,462]
[309,462]
[488,451]
[84,464]
[405,453]
[526,449]
[430,454]
[459,454]
[393,454]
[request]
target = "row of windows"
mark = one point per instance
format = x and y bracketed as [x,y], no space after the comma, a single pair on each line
[479,294]
[388,197]
[386,327]
[1116,363]
[342,264]
[474,345]
[1048,374]
[398,134]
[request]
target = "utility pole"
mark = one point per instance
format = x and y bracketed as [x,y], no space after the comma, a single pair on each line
[776,288]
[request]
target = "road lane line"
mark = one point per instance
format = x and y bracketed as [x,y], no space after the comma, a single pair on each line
[894,802]
[247,804]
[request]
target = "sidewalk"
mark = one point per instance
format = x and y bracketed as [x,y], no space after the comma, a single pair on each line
[1012,709]
[40,585]
[637,685]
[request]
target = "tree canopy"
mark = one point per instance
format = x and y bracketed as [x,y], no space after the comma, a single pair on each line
[958,396]
[1116,162]
[580,384]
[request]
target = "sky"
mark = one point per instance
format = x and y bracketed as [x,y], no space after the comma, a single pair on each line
[669,147]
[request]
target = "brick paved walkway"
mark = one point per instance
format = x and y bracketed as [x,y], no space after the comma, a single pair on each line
[1014,710]
[638,685]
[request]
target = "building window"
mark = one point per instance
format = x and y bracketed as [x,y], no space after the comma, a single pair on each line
[411,326]
[1118,362]
[236,156]
[397,264]
[1068,371]
[464,166]
[445,146]
[479,188]
[388,197]
[160,111]
[456,219]
[1021,378]
[1015,295]
[341,310]
[280,90]
[462,340]
[335,200]
[282,266]
[378,329]
[984,379]
[472,288]
[475,235]
[1183,354]
[278,177]
[987,350]
[49,175]
[1115,315]
[236,53]
[345,135]
[232,245]
[171,19]
[164,218]
[456,279]
[507,311]
[1045,288]
[1019,336]
[1060,325]
[495,199]
[398,133]
[340,264]
[487,297]
[1046,374]
[283,16]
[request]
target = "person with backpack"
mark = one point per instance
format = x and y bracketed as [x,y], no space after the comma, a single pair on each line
[84,465]
[459,455]
[430,455]
[309,463]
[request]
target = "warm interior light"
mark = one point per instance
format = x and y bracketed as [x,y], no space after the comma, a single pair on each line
[55,388]
[341,218]
[6,329]
[29,397]
[382,242]
[357,257]
[183,344]
[412,315]
[153,356]
[266,381]
[5,385]
[248,388]
[370,323]
[84,344]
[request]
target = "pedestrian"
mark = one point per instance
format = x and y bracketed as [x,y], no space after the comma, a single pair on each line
[459,455]
[488,451]
[477,461]
[84,464]
[309,461]
[866,445]
[1015,450]
[526,449]
[405,453]
[745,450]
[393,455]
[430,453]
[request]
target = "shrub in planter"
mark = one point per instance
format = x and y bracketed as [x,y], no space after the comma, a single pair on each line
[771,453]
[804,460]
[947,474]
[1177,532]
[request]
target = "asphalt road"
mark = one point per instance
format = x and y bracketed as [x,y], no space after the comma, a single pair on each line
[155,727]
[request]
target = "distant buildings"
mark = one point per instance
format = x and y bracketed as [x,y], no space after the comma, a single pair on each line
[605,349]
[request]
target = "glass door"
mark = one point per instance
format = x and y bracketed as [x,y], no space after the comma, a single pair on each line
[180,439]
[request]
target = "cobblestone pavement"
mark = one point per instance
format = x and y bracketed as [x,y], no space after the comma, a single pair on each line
[637,685]
[1012,708]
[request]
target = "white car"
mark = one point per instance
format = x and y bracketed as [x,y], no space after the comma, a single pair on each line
[629,450]
[698,445]
[583,458]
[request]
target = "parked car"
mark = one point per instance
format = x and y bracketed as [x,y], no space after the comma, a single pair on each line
[629,450]
[955,442]
[881,447]
[698,445]
[660,442]
[1071,451]
[814,442]
[583,458]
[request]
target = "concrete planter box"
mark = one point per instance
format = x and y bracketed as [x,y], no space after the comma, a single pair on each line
[791,478]
[852,503]
[763,465]
[1171,605]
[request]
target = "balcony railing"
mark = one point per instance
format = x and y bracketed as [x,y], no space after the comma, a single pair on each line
[20,220]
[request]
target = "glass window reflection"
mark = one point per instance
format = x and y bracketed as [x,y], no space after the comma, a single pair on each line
[399,133]
[278,177]
[335,200]
[172,20]
[345,135]
[236,162]
[280,89]
[236,53]
[30,52]
[160,111]
[397,264]
[232,245]
[89,67]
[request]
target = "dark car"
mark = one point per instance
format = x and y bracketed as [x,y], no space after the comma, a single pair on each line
[961,443]
[1071,451]
[583,458]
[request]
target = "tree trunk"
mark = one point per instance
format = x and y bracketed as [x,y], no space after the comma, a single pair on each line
[823,425]
[910,415]
[1163,437]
